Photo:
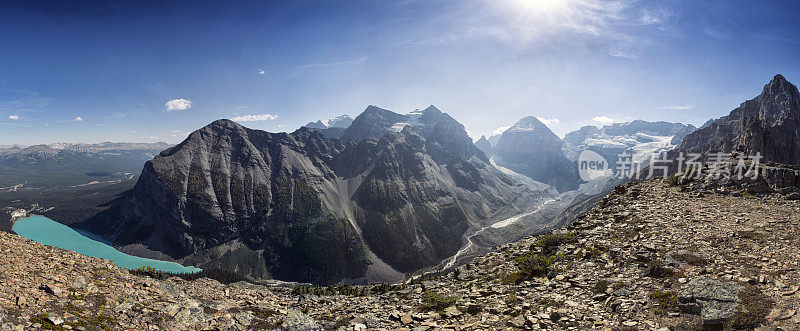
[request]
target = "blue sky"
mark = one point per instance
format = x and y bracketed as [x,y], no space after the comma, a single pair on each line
[83,71]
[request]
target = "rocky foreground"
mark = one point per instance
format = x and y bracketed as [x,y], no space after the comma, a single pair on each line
[649,256]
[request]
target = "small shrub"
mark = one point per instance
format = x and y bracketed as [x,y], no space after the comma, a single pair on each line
[691,259]
[386,288]
[513,278]
[44,322]
[600,287]
[345,289]
[547,302]
[473,309]
[655,269]
[512,300]
[593,252]
[220,275]
[262,313]
[535,265]
[667,301]
[550,242]
[672,180]
[755,307]
[432,300]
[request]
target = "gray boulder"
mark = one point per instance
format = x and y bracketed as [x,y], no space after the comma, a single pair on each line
[712,299]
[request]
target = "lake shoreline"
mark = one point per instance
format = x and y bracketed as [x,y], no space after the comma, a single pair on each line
[49,232]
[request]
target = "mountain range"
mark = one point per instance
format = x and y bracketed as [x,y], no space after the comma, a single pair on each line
[333,127]
[396,193]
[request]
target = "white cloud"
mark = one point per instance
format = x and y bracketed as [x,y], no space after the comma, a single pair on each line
[241,107]
[500,130]
[178,104]
[603,119]
[548,121]
[13,117]
[254,118]
[686,107]
[261,71]
[78,119]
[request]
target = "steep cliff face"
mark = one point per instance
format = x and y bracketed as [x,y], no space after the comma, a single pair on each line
[300,206]
[768,124]
[531,149]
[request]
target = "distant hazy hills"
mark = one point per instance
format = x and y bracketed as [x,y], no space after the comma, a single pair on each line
[65,164]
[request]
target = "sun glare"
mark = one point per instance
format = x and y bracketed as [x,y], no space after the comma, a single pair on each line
[541,5]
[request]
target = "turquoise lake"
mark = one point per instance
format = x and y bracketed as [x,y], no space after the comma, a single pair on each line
[46,231]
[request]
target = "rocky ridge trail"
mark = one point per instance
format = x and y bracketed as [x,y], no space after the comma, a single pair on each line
[650,256]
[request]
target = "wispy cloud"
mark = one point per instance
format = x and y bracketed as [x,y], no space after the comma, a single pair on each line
[13,117]
[254,118]
[540,22]
[658,16]
[620,51]
[686,107]
[716,31]
[540,25]
[178,104]
[334,64]
[13,124]
[603,119]
[29,102]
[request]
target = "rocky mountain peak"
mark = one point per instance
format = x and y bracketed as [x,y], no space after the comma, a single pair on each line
[432,110]
[223,126]
[485,146]
[531,149]
[341,121]
[779,100]
[768,124]
[529,123]
[376,111]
